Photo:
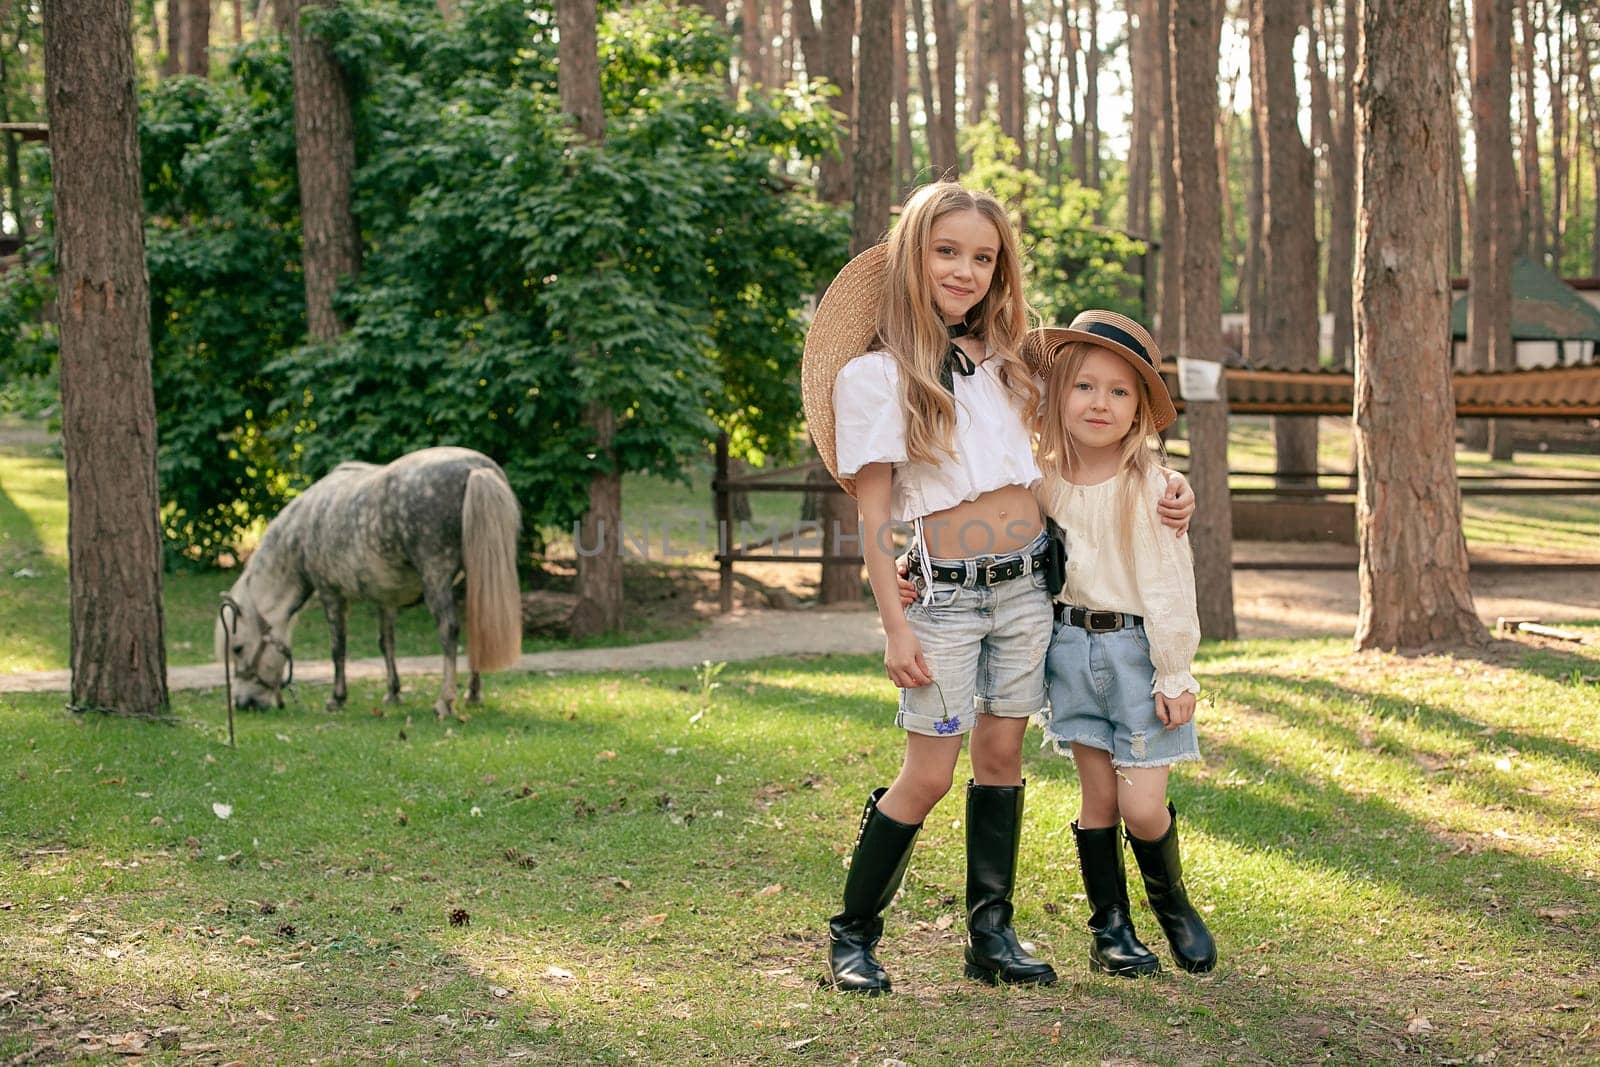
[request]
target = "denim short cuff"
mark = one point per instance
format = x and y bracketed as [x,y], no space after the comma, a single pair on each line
[1010,709]
[1165,761]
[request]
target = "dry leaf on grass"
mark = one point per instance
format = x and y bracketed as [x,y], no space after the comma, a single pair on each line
[1419,1025]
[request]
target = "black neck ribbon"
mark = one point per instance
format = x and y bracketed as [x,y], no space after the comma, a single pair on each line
[956,360]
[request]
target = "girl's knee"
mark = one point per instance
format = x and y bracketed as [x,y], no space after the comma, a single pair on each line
[913,796]
[997,768]
[1146,820]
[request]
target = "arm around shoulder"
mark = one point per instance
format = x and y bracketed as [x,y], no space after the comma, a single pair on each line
[1164,567]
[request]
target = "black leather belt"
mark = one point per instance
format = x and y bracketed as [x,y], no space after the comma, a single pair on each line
[1096,622]
[992,573]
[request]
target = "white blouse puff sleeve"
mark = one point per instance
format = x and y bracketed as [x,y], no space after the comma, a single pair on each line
[1165,573]
[868,419]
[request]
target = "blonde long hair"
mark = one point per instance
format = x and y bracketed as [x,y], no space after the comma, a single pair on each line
[913,332]
[1142,452]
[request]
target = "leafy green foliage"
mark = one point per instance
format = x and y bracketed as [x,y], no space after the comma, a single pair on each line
[1073,263]
[516,275]
[222,243]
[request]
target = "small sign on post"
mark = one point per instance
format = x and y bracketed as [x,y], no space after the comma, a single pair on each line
[1199,379]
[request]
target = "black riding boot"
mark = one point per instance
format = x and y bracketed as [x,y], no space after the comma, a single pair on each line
[1116,949]
[994,834]
[883,849]
[1162,867]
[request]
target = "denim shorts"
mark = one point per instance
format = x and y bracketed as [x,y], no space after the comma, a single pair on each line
[1099,691]
[984,646]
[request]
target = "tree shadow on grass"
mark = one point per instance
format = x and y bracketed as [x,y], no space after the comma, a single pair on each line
[1544,661]
[1363,837]
[1302,703]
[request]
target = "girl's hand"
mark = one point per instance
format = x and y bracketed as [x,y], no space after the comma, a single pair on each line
[1174,711]
[902,658]
[908,592]
[1176,508]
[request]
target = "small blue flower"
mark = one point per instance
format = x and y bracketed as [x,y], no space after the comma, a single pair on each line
[947,725]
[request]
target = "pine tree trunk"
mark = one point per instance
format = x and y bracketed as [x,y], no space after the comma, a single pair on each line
[1001,62]
[947,37]
[1074,44]
[905,161]
[1167,161]
[1555,73]
[925,86]
[837,35]
[1091,102]
[805,32]
[1494,205]
[1289,237]
[1195,29]
[1340,288]
[196,36]
[599,585]
[1591,104]
[841,582]
[873,155]
[1532,184]
[325,155]
[1256,350]
[1019,74]
[1413,569]
[172,63]
[1147,93]
[108,418]
[977,77]
[749,44]
[1533,221]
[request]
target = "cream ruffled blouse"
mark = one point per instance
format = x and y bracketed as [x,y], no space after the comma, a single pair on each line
[1152,577]
[992,447]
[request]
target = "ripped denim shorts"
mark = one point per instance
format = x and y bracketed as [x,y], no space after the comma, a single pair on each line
[984,646]
[1099,690]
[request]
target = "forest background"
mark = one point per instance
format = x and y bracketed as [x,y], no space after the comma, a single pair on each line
[496,250]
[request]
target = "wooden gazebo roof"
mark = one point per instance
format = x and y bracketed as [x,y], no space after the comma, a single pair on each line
[1543,308]
[1552,393]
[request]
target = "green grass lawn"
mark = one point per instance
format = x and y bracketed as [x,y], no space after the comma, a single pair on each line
[1397,856]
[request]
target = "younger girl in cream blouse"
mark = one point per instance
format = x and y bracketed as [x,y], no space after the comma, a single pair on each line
[1124,560]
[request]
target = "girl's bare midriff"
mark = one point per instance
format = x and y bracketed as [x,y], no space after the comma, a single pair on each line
[1000,521]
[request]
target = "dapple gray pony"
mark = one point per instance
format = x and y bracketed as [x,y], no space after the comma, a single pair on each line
[391,535]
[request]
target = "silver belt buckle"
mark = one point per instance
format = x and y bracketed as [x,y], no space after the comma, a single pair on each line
[1093,623]
[987,570]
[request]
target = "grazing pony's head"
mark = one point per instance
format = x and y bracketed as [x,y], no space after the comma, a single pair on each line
[257,656]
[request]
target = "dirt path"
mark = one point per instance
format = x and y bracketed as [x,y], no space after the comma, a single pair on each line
[1268,603]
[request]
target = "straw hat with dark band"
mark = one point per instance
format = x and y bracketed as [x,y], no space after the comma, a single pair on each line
[1114,333]
[842,329]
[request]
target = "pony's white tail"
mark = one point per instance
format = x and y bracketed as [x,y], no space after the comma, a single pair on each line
[489,523]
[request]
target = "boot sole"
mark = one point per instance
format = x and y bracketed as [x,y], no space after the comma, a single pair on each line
[1197,968]
[988,977]
[1136,971]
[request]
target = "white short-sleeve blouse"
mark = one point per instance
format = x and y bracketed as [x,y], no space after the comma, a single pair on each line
[992,447]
